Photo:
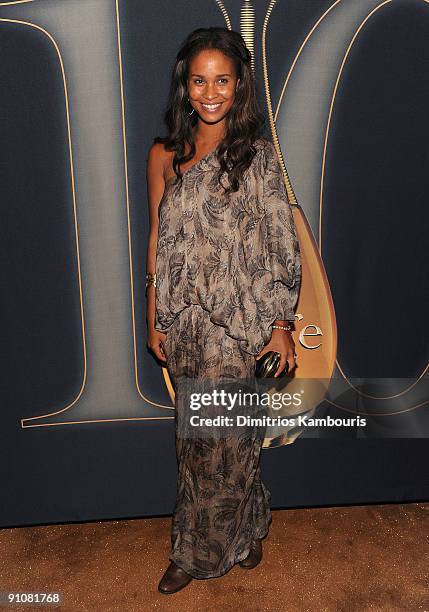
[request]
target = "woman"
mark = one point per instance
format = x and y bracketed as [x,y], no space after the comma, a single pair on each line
[223,275]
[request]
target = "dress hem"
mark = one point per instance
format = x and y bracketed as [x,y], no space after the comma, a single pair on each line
[202,576]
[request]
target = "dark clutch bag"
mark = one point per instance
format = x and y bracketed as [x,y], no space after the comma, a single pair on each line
[267,365]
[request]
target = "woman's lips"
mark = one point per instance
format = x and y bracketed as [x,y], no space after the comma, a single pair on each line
[211,108]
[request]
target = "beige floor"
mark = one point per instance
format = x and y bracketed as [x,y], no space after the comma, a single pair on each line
[349,559]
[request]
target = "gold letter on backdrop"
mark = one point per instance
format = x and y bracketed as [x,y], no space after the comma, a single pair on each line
[85,37]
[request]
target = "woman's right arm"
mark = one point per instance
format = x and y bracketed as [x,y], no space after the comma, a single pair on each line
[155,190]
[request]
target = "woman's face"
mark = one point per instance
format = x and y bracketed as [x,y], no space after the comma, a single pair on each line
[212,83]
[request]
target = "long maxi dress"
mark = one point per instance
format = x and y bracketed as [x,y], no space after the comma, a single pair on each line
[227,266]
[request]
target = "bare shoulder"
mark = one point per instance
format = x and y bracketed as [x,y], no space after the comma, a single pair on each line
[156,177]
[158,159]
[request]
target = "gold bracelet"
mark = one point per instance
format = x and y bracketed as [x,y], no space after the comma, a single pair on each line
[150,280]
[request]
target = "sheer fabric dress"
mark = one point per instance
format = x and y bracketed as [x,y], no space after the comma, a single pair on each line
[227,267]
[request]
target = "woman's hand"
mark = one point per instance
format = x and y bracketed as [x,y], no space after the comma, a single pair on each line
[154,341]
[283,343]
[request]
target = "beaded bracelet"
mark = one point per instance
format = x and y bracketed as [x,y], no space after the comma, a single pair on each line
[288,328]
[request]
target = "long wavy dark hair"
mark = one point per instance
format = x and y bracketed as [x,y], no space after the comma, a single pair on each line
[244,121]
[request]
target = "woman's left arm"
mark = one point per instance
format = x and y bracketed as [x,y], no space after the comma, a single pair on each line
[284,257]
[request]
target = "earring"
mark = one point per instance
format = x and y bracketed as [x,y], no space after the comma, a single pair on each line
[193,109]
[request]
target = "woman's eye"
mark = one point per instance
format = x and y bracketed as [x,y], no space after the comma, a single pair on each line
[198,81]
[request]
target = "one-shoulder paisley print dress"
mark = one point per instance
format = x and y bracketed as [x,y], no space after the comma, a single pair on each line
[227,266]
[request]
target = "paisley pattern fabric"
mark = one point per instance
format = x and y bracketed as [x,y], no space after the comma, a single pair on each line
[235,255]
[221,501]
[227,266]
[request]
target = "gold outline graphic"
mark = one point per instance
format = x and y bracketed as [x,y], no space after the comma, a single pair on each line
[51,38]
[376,8]
[167,379]
[288,184]
[273,119]
[247,28]
[224,13]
